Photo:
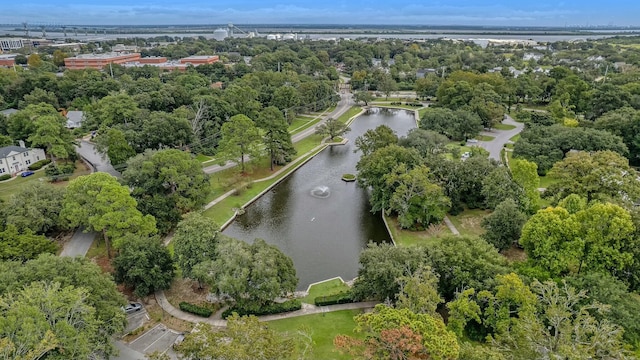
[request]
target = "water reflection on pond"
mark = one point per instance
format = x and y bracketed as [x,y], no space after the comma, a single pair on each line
[316,218]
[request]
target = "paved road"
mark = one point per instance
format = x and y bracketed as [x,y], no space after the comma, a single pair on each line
[345,103]
[79,243]
[501,137]
[89,152]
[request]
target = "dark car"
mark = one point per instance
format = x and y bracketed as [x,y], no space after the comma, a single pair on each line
[132,307]
[26,173]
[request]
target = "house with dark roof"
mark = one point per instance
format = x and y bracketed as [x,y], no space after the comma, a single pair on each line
[14,159]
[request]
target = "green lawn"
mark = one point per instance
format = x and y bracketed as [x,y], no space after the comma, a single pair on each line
[325,288]
[223,211]
[353,111]
[10,187]
[504,127]
[422,111]
[303,123]
[468,222]
[485,137]
[411,238]
[203,158]
[546,181]
[515,138]
[324,328]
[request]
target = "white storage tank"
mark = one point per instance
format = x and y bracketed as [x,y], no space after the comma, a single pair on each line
[220,34]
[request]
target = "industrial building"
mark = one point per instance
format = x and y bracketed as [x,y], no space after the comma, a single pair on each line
[98,61]
[8,60]
[200,60]
[8,44]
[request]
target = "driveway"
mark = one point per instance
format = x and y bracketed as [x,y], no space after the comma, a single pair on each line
[501,137]
[89,152]
[79,244]
[136,320]
[160,338]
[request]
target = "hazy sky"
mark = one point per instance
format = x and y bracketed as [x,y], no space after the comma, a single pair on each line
[460,12]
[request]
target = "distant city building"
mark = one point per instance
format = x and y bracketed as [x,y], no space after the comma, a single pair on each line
[8,44]
[532,56]
[421,73]
[125,48]
[200,59]
[8,60]
[98,61]
[220,34]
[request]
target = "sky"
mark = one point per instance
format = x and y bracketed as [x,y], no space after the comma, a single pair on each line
[390,12]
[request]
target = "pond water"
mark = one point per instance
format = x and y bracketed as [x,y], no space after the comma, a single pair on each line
[320,221]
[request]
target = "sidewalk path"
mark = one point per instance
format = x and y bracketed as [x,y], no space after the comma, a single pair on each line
[450,225]
[307,309]
[79,243]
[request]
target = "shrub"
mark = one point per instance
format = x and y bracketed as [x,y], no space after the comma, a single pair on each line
[39,164]
[5,177]
[340,298]
[273,308]
[348,177]
[195,309]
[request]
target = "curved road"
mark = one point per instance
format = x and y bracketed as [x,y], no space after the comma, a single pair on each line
[501,137]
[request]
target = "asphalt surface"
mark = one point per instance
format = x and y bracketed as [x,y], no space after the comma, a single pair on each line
[501,137]
[89,152]
[79,244]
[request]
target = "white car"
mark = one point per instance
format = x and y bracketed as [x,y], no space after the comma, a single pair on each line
[472,141]
[130,308]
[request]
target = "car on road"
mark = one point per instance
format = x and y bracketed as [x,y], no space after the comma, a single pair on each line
[131,308]
[472,141]
[27,173]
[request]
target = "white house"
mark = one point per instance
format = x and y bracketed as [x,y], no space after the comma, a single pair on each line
[74,119]
[14,159]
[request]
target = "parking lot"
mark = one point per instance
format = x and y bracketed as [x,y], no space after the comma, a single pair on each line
[136,320]
[160,338]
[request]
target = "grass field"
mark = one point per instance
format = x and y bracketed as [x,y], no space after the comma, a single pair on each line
[324,328]
[422,111]
[353,111]
[412,238]
[221,183]
[504,127]
[325,288]
[546,181]
[10,187]
[203,158]
[485,137]
[302,123]
[515,138]
[468,222]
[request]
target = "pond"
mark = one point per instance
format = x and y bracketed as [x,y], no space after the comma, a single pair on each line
[320,221]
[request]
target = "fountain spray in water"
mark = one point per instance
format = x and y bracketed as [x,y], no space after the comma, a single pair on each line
[321,192]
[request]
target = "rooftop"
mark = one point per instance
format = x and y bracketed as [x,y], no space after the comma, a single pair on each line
[5,151]
[99,56]
[199,57]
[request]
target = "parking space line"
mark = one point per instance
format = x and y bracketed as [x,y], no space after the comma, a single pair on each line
[158,339]
[148,331]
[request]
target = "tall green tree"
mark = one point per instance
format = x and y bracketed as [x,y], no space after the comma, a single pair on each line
[525,174]
[244,338]
[375,139]
[276,137]
[195,241]
[417,199]
[166,184]
[503,227]
[50,321]
[240,138]
[253,275]
[144,264]
[50,132]
[428,335]
[79,275]
[23,245]
[36,207]
[603,175]
[332,128]
[99,203]
[115,145]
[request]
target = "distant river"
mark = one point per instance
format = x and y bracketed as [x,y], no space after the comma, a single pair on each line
[320,221]
[480,38]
